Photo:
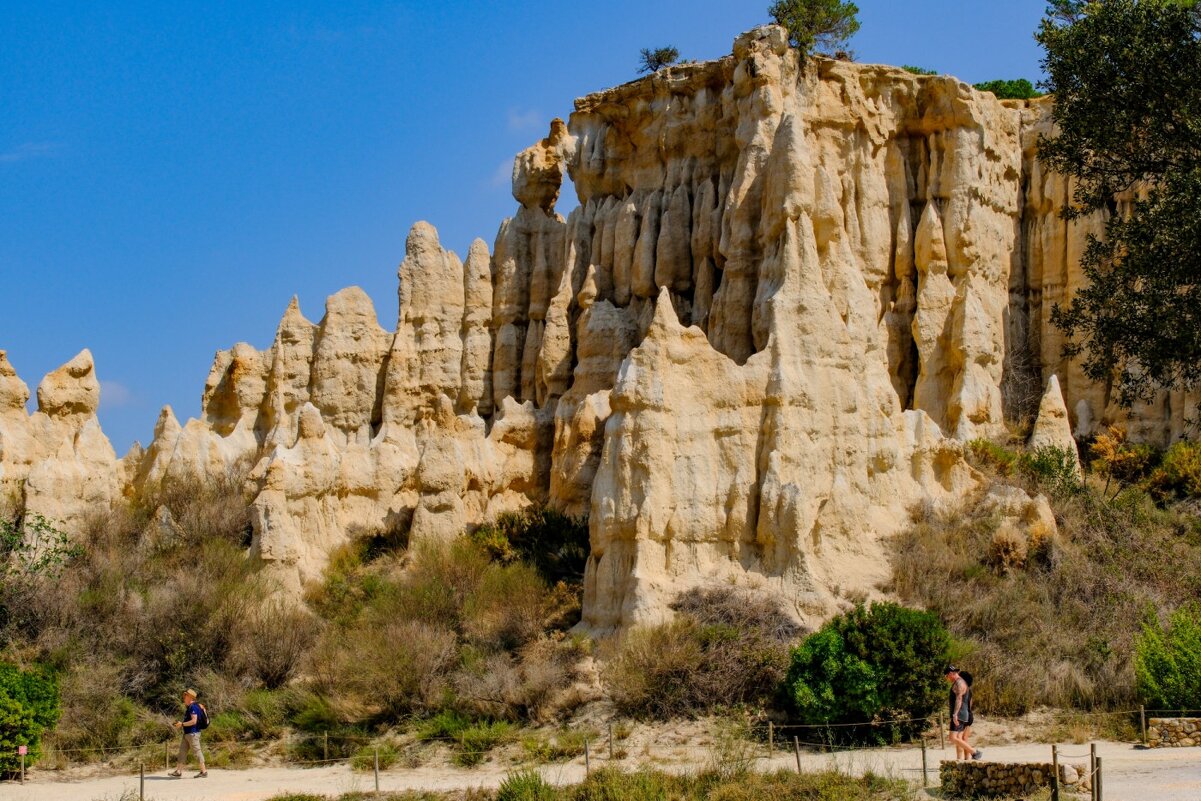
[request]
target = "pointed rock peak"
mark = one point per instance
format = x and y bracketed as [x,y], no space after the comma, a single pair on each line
[423,238]
[478,250]
[311,424]
[71,389]
[14,393]
[349,302]
[167,424]
[930,245]
[665,320]
[134,454]
[1052,427]
[293,315]
[589,289]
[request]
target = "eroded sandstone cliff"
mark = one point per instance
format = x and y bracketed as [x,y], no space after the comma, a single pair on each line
[789,294]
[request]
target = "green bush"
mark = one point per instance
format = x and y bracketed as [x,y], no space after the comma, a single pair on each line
[1019,89]
[879,665]
[526,785]
[1179,474]
[365,757]
[918,70]
[989,454]
[1052,468]
[1167,662]
[554,543]
[29,706]
[825,24]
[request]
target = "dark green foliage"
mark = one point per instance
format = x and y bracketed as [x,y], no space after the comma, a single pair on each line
[1052,468]
[880,664]
[1128,115]
[1178,475]
[724,648]
[1018,89]
[1167,662]
[554,543]
[655,59]
[823,24]
[29,706]
[918,70]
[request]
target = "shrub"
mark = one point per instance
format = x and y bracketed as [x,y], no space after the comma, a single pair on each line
[827,24]
[475,741]
[273,640]
[918,70]
[526,785]
[1109,561]
[554,543]
[1167,662]
[1019,89]
[725,648]
[1179,474]
[996,457]
[880,665]
[29,706]
[1052,468]
[365,758]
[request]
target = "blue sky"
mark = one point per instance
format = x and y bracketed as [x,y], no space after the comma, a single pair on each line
[172,173]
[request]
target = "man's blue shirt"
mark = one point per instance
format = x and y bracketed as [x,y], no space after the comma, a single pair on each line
[193,711]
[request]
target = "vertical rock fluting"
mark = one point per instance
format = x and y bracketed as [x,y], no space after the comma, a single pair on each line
[788,294]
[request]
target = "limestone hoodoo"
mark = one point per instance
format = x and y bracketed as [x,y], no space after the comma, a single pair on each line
[789,293]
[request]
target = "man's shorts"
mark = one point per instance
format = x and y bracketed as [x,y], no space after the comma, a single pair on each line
[959,725]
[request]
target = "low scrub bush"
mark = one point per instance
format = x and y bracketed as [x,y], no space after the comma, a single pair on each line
[555,544]
[29,707]
[1167,661]
[880,665]
[726,647]
[557,746]
[1059,631]
[367,756]
[1178,475]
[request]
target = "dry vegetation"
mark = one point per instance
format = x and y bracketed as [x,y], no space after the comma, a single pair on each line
[1059,629]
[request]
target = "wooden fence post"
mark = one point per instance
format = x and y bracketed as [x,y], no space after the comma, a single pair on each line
[1142,720]
[1054,773]
[587,759]
[1092,771]
[942,746]
[141,781]
[610,741]
[925,771]
[1097,781]
[377,770]
[771,739]
[325,746]
[796,748]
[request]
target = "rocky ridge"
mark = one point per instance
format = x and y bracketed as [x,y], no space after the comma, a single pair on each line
[789,294]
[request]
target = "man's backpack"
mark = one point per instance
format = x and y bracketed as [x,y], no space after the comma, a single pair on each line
[967,677]
[202,719]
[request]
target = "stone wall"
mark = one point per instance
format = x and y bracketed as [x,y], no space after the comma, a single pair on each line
[1006,780]
[1173,732]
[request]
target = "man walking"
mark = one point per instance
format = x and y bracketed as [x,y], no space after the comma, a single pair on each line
[191,736]
[961,714]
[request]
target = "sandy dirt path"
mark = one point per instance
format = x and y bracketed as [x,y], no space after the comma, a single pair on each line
[1170,774]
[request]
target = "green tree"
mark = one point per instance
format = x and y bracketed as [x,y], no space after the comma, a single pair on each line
[655,59]
[1128,115]
[29,706]
[1017,89]
[1167,662]
[824,24]
[879,665]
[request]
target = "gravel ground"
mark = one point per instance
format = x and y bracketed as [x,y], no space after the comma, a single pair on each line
[1168,774]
